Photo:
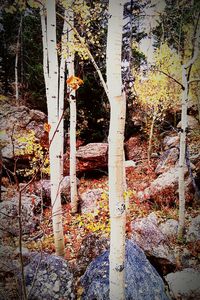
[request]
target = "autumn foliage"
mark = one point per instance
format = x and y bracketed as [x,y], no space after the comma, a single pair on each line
[74,82]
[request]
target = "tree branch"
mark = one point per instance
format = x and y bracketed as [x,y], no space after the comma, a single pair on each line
[166,74]
[193,80]
[196,45]
[88,52]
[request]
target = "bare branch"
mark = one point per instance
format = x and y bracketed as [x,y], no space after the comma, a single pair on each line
[88,52]
[196,46]
[193,80]
[174,79]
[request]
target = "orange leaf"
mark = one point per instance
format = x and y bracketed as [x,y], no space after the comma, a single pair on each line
[47,127]
[33,201]
[74,82]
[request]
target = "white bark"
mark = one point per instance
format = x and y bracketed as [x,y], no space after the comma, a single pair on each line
[45,52]
[72,130]
[61,94]
[53,119]
[89,54]
[73,181]
[182,162]
[116,153]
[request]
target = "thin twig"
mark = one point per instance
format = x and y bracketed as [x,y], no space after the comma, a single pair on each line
[174,79]
[88,52]
[24,292]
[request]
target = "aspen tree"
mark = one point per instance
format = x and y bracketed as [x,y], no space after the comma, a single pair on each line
[116,154]
[72,102]
[184,124]
[51,75]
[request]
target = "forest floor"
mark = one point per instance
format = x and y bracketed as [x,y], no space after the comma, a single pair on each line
[78,226]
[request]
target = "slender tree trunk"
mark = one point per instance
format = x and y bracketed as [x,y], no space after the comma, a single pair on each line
[73,181]
[23,280]
[16,64]
[72,134]
[182,159]
[61,93]
[45,50]
[53,119]
[182,162]
[150,137]
[116,199]
[116,152]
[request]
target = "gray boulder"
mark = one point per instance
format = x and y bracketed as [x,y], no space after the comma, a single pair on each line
[142,280]
[193,233]
[44,186]
[93,156]
[169,228]
[92,246]
[166,182]
[147,235]
[89,200]
[170,142]
[185,284]
[168,159]
[9,222]
[192,123]
[48,277]
[18,121]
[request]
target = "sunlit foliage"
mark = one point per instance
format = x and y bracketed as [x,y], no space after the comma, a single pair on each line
[34,152]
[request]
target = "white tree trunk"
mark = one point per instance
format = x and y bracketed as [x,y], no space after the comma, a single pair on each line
[182,162]
[116,153]
[45,52]
[73,181]
[72,129]
[53,119]
[62,92]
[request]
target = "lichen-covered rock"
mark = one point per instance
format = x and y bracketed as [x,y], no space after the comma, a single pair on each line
[9,221]
[18,121]
[168,160]
[7,263]
[169,228]
[51,276]
[89,200]
[44,186]
[193,233]
[89,157]
[142,280]
[147,235]
[92,246]
[164,188]
[134,149]
[171,142]
[192,123]
[185,284]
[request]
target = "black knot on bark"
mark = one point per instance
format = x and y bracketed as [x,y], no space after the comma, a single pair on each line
[120,268]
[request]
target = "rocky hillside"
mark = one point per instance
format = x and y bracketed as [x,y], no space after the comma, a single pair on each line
[165,267]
